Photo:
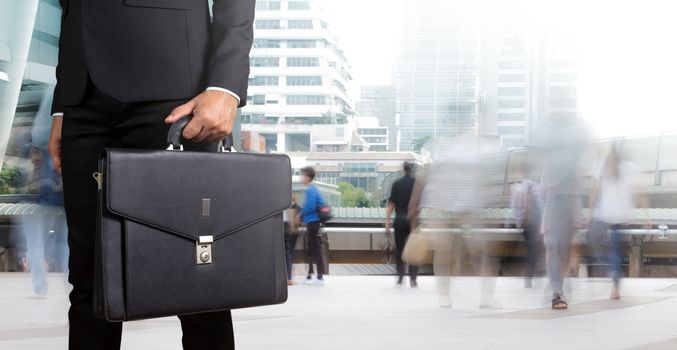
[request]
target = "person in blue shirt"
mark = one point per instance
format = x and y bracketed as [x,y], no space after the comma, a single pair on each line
[312,202]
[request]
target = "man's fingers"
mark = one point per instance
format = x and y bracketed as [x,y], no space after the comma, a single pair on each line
[180,111]
[55,154]
[201,136]
[192,129]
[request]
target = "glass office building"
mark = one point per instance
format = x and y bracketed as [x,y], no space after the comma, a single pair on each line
[436,75]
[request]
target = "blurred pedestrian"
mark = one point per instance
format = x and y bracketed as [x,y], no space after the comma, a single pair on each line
[562,142]
[526,204]
[312,202]
[454,187]
[400,194]
[290,236]
[613,197]
[46,220]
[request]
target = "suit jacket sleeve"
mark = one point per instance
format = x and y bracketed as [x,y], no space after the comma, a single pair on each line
[57,101]
[232,38]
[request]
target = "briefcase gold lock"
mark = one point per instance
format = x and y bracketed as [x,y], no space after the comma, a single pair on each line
[203,249]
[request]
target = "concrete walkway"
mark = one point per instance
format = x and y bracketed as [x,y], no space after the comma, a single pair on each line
[369,312]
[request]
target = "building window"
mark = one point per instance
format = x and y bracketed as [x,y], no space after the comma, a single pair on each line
[510,117]
[259,99]
[299,5]
[511,91]
[466,80]
[301,44]
[304,81]
[266,44]
[303,62]
[264,81]
[510,103]
[374,131]
[300,24]
[265,5]
[359,168]
[268,24]
[378,148]
[460,108]
[328,178]
[510,130]
[245,118]
[373,139]
[265,61]
[306,100]
[511,78]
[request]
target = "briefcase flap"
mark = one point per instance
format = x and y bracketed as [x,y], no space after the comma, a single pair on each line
[193,194]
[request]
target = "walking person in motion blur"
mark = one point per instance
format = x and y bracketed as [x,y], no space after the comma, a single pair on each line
[455,188]
[562,143]
[613,197]
[526,203]
[291,234]
[400,194]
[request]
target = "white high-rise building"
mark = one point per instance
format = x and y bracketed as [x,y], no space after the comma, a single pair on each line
[298,79]
[370,129]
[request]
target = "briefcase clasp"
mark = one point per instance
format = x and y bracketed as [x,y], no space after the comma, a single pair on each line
[203,249]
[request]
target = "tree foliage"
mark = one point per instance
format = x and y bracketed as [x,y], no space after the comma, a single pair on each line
[12,180]
[352,196]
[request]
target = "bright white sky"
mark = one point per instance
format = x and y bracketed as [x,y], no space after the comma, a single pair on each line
[369,32]
[627,55]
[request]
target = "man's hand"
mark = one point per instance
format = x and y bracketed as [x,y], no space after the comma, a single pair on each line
[213,116]
[54,145]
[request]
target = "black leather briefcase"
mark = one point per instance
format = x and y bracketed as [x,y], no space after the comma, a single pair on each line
[189,232]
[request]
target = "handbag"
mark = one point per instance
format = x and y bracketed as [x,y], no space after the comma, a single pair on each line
[324,213]
[388,248]
[416,250]
[189,232]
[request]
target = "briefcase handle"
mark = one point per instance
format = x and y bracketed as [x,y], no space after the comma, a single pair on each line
[175,131]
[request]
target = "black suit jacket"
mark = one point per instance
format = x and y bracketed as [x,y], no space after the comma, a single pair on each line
[153,50]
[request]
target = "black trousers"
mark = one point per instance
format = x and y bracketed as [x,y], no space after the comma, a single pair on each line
[402,230]
[101,121]
[315,254]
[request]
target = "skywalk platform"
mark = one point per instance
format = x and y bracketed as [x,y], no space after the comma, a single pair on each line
[369,312]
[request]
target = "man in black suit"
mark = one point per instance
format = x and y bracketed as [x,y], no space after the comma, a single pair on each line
[127,70]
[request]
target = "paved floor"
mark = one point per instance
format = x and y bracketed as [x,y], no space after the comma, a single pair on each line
[368,312]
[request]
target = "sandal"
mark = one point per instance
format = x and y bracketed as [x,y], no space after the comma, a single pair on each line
[559,304]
